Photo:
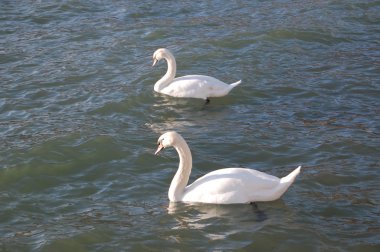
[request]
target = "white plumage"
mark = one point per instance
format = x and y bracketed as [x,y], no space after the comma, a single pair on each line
[224,186]
[191,86]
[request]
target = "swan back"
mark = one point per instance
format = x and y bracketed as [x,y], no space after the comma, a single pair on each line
[238,185]
[197,86]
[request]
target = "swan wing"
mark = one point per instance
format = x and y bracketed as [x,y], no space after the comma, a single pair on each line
[197,86]
[232,185]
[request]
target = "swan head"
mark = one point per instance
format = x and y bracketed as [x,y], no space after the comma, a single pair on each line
[160,54]
[167,139]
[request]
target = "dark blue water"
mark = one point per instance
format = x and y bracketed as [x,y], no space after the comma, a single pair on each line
[79,121]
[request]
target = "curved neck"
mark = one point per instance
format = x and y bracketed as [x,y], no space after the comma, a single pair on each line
[170,73]
[181,178]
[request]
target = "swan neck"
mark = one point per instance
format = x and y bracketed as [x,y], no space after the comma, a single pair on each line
[181,178]
[170,73]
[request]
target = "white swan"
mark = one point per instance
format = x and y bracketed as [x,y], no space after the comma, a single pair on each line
[224,186]
[190,86]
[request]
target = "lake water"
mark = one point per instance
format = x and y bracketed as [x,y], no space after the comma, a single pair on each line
[79,122]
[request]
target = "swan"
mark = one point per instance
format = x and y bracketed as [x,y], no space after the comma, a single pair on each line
[190,86]
[224,186]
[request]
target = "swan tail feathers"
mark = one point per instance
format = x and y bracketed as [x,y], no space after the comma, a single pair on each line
[235,84]
[291,176]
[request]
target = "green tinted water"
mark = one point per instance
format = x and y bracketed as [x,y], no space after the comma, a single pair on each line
[79,121]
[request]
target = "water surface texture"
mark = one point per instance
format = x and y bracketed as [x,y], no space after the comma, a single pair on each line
[79,121]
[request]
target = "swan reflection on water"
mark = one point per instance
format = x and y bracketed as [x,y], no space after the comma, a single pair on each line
[207,211]
[184,114]
[218,221]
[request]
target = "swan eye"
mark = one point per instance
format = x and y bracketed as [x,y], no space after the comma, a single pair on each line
[160,141]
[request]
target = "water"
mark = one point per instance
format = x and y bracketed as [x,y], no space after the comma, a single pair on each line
[79,121]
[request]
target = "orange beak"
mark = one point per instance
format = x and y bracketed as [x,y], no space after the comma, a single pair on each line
[154,62]
[159,148]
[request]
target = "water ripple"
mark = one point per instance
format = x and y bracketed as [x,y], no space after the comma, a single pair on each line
[79,123]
